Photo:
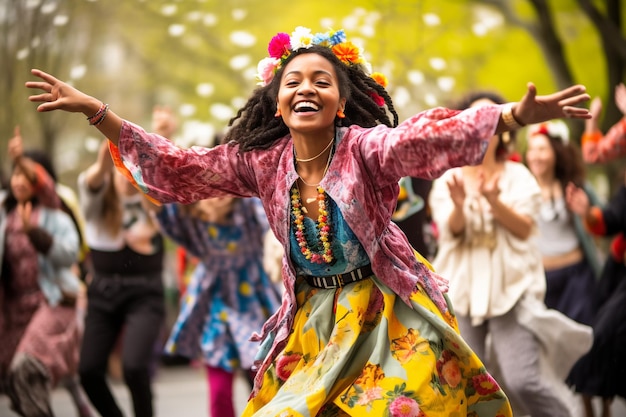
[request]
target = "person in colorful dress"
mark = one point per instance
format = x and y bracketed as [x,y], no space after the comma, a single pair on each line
[39,327]
[229,296]
[364,327]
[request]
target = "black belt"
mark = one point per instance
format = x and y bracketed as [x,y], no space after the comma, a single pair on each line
[339,280]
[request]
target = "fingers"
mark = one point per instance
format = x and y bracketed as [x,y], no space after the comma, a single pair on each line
[576,113]
[44,97]
[40,97]
[44,76]
[531,94]
[575,100]
[48,103]
[47,87]
[531,90]
[572,91]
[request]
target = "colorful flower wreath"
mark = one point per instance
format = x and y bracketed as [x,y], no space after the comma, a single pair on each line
[282,45]
[556,129]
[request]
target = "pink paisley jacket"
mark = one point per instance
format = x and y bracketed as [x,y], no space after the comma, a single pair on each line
[362,179]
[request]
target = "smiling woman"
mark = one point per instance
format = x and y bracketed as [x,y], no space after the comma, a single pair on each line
[360,312]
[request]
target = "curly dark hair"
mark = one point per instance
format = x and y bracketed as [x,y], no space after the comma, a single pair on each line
[256,127]
[507,139]
[569,165]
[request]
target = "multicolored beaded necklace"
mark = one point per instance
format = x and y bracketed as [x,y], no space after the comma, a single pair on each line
[323,226]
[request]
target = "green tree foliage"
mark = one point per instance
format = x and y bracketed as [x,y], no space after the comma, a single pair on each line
[200,56]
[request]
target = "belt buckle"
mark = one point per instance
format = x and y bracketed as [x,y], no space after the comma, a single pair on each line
[340,280]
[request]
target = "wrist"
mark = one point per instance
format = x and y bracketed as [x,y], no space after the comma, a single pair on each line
[98,117]
[92,107]
[508,116]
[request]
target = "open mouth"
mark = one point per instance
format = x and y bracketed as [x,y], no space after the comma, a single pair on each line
[305,107]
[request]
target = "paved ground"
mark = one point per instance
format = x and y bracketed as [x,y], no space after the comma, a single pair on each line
[181,392]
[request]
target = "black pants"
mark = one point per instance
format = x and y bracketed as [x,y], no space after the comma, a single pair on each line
[134,305]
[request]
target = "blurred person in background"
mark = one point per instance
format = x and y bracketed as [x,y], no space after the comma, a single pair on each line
[600,372]
[485,216]
[39,326]
[125,296]
[599,148]
[570,256]
[230,295]
[69,204]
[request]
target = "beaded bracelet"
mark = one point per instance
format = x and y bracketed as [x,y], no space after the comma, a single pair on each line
[509,119]
[98,118]
[104,114]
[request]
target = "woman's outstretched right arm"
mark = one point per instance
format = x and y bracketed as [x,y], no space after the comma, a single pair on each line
[58,95]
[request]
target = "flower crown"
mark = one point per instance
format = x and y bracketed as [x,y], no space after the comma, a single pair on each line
[556,129]
[282,45]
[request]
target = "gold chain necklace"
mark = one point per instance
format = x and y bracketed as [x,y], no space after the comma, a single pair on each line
[330,154]
[316,156]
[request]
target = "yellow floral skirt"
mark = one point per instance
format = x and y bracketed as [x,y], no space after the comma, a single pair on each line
[361,351]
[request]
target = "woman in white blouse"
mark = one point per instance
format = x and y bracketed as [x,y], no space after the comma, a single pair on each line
[485,217]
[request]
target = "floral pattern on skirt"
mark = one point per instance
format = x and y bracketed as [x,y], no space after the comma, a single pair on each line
[353,352]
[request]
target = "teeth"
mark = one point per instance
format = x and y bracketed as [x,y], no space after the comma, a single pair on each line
[307,104]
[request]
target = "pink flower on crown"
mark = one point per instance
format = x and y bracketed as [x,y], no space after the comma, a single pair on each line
[279,45]
[266,69]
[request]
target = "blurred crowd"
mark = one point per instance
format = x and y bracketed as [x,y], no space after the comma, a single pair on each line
[82,295]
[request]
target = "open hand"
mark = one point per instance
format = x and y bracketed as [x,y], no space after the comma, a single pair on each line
[536,109]
[58,95]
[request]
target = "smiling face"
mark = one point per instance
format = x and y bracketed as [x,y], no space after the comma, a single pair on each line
[309,97]
[540,156]
[22,189]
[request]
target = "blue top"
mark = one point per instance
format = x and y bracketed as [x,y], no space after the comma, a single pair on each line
[348,253]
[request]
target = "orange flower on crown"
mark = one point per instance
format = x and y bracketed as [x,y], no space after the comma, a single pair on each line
[348,53]
[380,79]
